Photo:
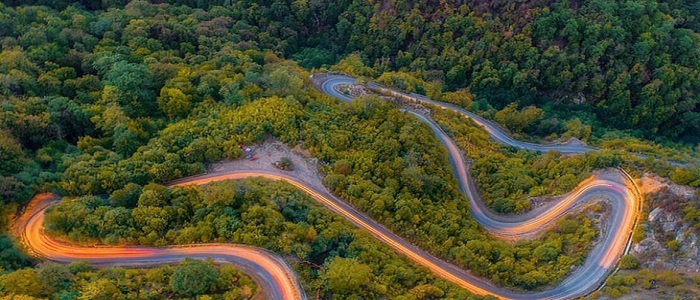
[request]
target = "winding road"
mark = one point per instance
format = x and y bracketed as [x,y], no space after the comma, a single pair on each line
[274,277]
[278,281]
[330,84]
[617,188]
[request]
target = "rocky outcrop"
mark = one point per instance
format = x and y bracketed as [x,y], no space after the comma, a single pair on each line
[669,243]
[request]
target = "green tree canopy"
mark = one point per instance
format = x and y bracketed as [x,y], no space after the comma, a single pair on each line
[193,277]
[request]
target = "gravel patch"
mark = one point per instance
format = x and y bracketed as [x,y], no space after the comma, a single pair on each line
[270,151]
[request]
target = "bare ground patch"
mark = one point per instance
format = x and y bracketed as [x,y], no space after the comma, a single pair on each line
[270,151]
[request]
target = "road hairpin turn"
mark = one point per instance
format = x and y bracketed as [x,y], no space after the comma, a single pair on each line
[279,281]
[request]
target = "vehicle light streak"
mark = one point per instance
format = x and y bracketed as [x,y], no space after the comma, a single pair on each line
[275,278]
[621,192]
[279,281]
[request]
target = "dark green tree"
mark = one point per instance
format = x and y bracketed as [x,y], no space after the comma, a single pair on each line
[193,277]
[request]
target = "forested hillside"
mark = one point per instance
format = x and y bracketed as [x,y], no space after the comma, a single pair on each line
[104,100]
[108,102]
[78,280]
[624,64]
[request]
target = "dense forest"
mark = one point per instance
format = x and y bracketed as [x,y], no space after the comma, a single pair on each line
[104,101]
[623,64]
[78,280]
[105,108]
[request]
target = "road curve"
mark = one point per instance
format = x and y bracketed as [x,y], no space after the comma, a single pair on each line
[279,281]
[38,242]
[617,189]
[274,277]
[331,82]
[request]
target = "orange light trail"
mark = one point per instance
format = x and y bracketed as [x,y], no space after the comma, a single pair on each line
[625,201]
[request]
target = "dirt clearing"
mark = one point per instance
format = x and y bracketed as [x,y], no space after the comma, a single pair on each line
[271,151]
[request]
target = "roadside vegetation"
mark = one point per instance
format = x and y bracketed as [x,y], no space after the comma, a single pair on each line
[117,133]
[535,124]
[508,177]
[103,106]
[667,284]
[399,179]
[78,280]
[331,256]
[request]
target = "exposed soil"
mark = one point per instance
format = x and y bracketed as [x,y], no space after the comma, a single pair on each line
[354,90]
[664,223]
[270,151]
[663,220]
[651,183]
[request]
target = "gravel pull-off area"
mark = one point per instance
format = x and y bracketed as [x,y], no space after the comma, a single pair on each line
[270,151]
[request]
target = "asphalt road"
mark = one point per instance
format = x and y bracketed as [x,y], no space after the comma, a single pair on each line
[615,188]
[497,133]
[330,84]
[279,282]
[273,274]
[274,277]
